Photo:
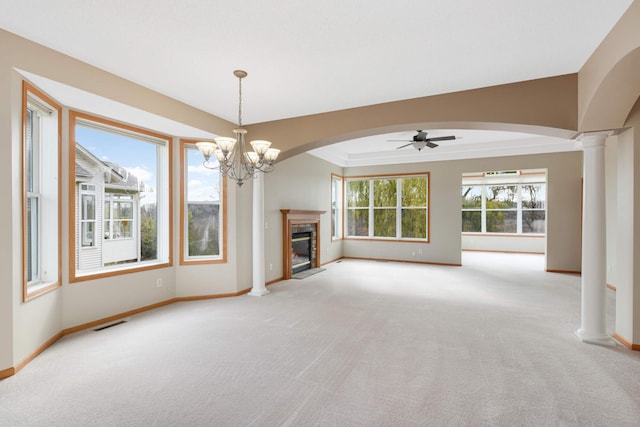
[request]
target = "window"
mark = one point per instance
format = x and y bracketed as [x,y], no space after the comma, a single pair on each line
[336,207]
[472,202]
[118,216]
[121,194]
[41,193]
[388,207]
[500,203]
[203,209]
[87,215]
[501,208]
[533,208]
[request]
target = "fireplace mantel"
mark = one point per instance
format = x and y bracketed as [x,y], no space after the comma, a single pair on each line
[298,216]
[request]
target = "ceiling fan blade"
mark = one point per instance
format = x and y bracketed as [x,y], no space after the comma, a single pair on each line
[431,144]
[442,138]
[405,145]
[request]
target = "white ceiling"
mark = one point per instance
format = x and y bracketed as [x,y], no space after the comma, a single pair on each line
[306,57]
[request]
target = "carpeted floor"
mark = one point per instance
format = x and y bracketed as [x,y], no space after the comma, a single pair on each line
[362,344]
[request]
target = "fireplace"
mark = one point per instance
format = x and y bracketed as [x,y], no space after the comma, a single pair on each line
[300,251]
[300,241]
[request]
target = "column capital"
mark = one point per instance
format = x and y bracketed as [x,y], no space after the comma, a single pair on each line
[594,139]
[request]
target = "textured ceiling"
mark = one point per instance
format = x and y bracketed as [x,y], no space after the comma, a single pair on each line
[306,57]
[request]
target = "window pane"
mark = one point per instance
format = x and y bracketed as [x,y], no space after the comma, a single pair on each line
[32,239]
[533,196]
[414,192]
[203,229]
[502,197]
[203,206]
[414,223]
[358,222]
[384,222]
[358,194]
[472,221]
[29,151]
[471,197]
[502,221]
[124,167]
[87,229]
[533,221]
[88,206]
[384,193]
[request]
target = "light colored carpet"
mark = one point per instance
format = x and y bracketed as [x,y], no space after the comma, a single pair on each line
[362,344]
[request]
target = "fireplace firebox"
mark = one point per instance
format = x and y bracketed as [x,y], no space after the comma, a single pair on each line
[300,252]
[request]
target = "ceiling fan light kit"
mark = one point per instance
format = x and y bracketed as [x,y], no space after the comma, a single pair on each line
[420,140]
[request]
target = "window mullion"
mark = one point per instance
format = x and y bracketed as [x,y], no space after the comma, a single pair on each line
[399,208]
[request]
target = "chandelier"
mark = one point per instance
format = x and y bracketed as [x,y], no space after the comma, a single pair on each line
[234,161]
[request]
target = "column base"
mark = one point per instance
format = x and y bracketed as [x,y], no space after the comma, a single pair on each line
[598,340]
[259,292]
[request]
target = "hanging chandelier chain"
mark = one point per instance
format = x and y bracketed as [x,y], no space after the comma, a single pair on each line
[240,102]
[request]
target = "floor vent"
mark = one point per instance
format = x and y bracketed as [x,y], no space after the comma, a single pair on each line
[110,325]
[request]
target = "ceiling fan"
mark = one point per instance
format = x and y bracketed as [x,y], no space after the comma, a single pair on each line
[420,140]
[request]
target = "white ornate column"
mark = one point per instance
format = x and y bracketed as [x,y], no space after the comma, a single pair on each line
[257,230]
[593,324]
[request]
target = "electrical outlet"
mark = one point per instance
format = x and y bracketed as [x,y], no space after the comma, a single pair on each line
[159,283]
[270,267]
[413,253]
[419,251]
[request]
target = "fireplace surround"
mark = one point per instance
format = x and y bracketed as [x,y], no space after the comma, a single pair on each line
[296,221]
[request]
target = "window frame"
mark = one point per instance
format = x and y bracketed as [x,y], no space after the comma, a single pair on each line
[517,179]
[164,204]
[185,259]
[81,218]
[398,208]
[48,250]
[337,199]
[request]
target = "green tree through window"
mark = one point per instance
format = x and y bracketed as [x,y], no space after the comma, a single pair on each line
[398,208]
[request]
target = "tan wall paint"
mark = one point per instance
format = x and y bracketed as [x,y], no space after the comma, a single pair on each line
[24,327]
[544,106]
[304,182]
[300,182]
[628,231]
[608,82]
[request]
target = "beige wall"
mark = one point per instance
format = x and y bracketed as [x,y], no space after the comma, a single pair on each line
[627,230]
[300,182]
[544,106]
[24,327]
[601,95]
[608,82]
[563,209]
[304,182]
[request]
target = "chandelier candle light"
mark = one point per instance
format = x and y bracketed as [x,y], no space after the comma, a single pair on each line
[234,161]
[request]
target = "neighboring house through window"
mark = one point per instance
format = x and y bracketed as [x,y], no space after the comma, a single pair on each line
[121,193]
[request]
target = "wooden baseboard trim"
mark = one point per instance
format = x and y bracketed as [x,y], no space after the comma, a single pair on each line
[406,261]
[613,288]
[549,270]
[626,343]
[119,316]
[39,350]
[503,252]
[271,282]
[6,373]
